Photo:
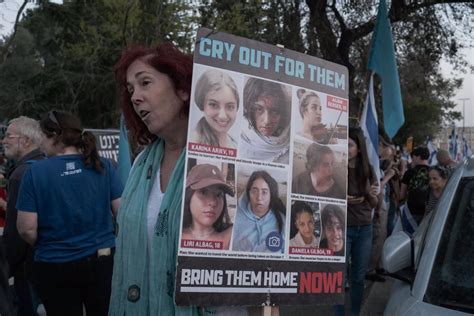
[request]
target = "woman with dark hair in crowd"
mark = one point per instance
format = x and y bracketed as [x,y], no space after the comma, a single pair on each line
[205,214]
[318,178]
[66,207]
[362,198]
[438,177]
[334,226]
[217,97]
[266,134]
[260,212]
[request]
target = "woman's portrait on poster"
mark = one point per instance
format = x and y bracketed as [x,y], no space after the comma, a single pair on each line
[260,217]
[217,97]
[205,211]
[319,177]
[333,221]
[265,132]
[316,120]
[305,226]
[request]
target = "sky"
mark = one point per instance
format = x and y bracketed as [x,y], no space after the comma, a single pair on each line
[9,9]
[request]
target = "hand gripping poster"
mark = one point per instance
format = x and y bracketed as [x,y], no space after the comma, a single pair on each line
[264,203]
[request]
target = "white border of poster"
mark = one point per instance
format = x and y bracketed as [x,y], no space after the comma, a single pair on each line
[266,147]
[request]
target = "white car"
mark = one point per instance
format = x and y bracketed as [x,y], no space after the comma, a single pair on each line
[435,268]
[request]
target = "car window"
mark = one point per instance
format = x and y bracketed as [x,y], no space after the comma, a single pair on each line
[451,282]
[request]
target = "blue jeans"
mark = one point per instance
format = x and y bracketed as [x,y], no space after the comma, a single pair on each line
[358,248]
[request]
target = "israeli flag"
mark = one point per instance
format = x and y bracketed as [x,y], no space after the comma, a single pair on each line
[369,125]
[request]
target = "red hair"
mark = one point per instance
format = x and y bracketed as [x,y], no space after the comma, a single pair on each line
[165,58]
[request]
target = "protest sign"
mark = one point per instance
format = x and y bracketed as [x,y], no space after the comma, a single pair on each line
[107,141]
[264,208]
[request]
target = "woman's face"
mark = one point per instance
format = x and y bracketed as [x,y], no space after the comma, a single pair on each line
[353,149]
[220,109]
[207,205]
[267,115]
[154,97]
[260,196]
[334,234]
[436,181]
[325,168]
[305,225]
[312,113]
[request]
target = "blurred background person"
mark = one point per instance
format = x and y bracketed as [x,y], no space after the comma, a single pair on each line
[266,134]
[438,177]
[205,214]
[22,139]
[260,214]
[305,226]
[334,229]
[216,95]
[318,178]
[66,207]
[444,159]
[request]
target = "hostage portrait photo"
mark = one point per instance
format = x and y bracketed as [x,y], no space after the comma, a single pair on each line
[259,224]
[305,223]
[314,121]
[333,222]
[209,205]
[266,125]
[319,170]
[216,106]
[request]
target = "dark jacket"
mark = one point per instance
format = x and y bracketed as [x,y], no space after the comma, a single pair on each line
[17,249]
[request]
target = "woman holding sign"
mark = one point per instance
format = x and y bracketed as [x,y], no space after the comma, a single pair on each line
[217,97]
[205,214]
[155,85]
[266,134]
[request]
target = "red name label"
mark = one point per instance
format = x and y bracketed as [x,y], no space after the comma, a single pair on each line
[337,103]
[213,150]
[311,251]
[201,244]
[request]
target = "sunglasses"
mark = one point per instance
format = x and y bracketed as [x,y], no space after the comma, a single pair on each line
[52,117]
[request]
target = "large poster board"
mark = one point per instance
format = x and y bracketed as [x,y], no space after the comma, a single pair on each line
[264,209]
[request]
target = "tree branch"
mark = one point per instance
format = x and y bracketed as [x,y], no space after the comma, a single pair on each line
[9,42]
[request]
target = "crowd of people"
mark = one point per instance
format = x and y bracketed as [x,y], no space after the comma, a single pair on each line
[76,238]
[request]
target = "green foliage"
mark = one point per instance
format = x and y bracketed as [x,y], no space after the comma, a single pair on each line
[63,55]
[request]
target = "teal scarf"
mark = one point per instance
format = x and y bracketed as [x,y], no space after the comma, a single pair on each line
[138,266]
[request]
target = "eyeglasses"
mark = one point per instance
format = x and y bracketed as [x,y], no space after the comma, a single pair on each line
[7,135]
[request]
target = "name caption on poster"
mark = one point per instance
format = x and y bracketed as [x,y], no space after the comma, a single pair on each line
[280,64]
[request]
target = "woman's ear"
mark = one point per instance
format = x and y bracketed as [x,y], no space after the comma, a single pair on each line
[183,95]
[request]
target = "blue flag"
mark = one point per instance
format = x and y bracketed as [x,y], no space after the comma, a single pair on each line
[382,62]
[369,125]
[124,163]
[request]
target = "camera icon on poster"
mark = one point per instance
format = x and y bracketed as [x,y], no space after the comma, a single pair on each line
[274,242]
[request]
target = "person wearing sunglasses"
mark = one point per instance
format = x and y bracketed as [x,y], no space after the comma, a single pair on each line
[66,209]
